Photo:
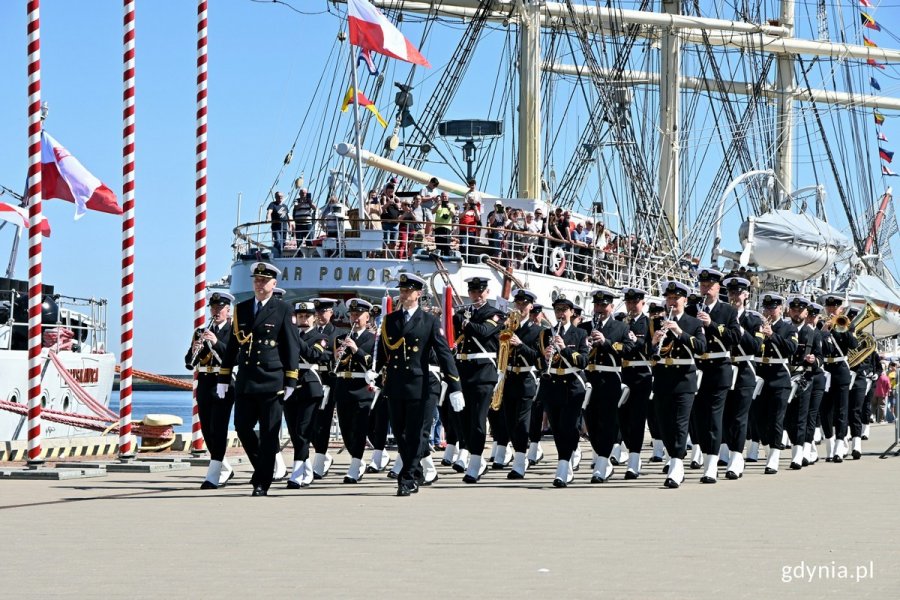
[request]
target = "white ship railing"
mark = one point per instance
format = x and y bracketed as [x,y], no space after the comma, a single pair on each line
[85,317]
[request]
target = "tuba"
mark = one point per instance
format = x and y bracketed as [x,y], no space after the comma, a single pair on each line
[512,323]
[867,346]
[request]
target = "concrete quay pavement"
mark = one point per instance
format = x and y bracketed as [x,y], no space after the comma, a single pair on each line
[790,535]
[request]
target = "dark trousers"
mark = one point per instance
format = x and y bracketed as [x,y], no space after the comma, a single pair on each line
[673,412]
[856,402]
[303,232]
[633,414]
[517,410]
[474,416]
[324,419]
[434,394]
[378,423]
[215,415]
[753,423]
[867,405]
[797,414]
[450,421]
[652,421]
[300,414]
[407,417]
[266,410]
[279,231]
[536,425]
[353,417]
[442,240]
[735,417]
[815,401]
[497,421]
[772,404]
[706,416]
[602,414]
[563,410]
[833,411]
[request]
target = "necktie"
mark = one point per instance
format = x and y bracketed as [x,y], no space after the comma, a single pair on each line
[215,328]
[258,307]
[406,316]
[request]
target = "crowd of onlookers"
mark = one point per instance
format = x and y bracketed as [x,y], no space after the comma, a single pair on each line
[429,220]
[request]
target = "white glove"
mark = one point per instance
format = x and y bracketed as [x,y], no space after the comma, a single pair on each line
[287,392]
[457,401]
[371,377]
[221,390]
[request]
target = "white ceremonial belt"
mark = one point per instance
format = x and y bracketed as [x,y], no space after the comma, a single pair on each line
[520,369]
[350,375]
[476,356]
[771,361]
[213,370]
[434,369]
[637,363]
[308,367]
[568,371]
[744,358]
[603,369]
[835,359]
[714,355]
[679,362]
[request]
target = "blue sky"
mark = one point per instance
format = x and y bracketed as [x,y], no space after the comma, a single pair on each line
[263,62]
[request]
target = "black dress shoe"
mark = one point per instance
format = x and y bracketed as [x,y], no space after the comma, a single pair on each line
[444,462]
[707,479]
[413,487]
[671,483]
[392,475]
[497,466]
[796,466]
[369,469]
[426,483]
[753,460]
[459,468]
[805,462]
[614,461]
[665,470]
[656,459]
[631,475]
[864,437]
[348,479]
[258,491]
[208,485]
[837,458]
[316,476]
[293,485]
[722,463]
[771,471]
[559,483]
[513,474]
[469,479]
[597,479]
[696,465]
[856,455]
[403,491]
[732,475]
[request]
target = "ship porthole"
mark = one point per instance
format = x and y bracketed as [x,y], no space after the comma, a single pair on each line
[43,400]
[14,398]
[554,295]
[66,402]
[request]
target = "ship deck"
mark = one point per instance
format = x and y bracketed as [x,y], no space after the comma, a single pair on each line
[137,535]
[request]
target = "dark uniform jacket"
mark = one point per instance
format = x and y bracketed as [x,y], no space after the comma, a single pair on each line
[484,325]
[405,353]
[350,365]
[640,327]
[748,345]
[609,353]
[314,350]
[523,356]
[722,333]
[834,345]
[782,344]
[573,356]
[808,342]
[264,347]
[668,376]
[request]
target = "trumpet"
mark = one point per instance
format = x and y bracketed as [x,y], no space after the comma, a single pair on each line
[546,373]
[660,347]
[205,350]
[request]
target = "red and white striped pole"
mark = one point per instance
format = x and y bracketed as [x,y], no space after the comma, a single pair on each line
[126,447]
[35,287]
[200,211]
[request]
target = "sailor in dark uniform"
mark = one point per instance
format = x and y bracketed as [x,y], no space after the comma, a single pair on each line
[740,397]
[520,384]
[564,350]
[673,346]
[300,408]
[407,339]
[817,390]
[860,395]
[773,364]
[722,331]
[656,313]
[535,453]
[636,374]
[325,415]
[478,325]
[205,357]
[837,341]
[608,339]
[805,363]
[354,388]
[278,293]
[263,343]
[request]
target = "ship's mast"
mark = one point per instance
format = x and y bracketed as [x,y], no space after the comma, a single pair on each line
[669,119]
[784,150]
[529,183]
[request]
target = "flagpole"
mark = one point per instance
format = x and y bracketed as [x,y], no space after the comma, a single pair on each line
[35,281]
[356,127]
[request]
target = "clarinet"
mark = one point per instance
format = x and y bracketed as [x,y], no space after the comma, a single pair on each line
[546,373]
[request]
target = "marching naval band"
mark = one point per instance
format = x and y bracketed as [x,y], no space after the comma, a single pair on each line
[701,369]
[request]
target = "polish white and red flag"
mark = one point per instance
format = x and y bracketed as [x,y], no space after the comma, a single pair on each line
[18,215]
[371,30]
[64,178]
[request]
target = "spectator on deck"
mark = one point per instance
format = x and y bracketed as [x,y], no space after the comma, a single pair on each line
[444,215]
[304,215]
[390,213]
[277,214]
[468,229]
[496,221]
[430,196]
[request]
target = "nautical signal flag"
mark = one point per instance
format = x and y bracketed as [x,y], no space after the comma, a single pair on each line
[64,178]
[869,22]
[879,118]
[869,43]
[370,30]
[874,83]
[874,63]
[18,215]
[886,171]
[865,3]
[882,137]
[886,155]
[365,57]
[364,102]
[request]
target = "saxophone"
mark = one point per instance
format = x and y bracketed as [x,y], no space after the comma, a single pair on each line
[512,324]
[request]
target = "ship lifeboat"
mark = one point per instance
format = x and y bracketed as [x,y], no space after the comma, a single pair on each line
[791,245]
